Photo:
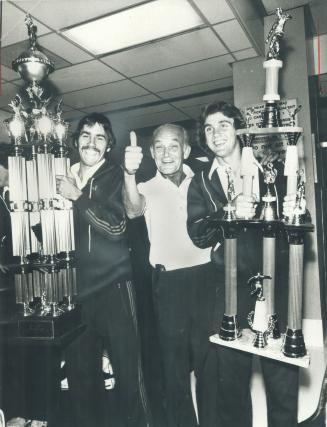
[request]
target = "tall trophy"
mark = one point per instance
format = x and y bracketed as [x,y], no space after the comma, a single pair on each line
[41,220]
[265,337]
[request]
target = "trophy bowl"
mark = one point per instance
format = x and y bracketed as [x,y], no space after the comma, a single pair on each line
[33,65]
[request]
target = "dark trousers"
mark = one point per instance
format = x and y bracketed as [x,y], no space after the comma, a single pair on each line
[234,399]
[110,319]
[184,302]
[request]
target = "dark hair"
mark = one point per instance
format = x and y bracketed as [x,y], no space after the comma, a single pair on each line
[91,120]
[227,109]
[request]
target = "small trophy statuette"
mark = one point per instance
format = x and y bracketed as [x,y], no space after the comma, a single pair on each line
[276,33]
[268,212]
[299,212]
[229,208]
[258,319]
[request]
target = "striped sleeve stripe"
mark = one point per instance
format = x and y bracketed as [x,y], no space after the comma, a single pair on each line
[105,226]
[204,238]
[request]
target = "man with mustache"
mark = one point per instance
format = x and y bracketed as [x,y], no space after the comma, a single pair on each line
[184,281]
[104,284]
[207,196]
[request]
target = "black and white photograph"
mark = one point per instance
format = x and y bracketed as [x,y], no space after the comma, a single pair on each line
[163,213]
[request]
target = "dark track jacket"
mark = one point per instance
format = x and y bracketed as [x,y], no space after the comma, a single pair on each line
[206,199]
[102,249]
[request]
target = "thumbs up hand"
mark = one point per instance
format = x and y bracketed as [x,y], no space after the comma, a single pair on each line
[133,155]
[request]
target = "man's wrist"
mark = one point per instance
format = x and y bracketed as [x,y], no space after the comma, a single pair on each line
[129,175]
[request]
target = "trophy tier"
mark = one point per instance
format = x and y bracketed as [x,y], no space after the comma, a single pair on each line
[270,131]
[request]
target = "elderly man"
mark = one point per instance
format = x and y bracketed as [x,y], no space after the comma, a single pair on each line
[104,284]
[184,279]
[207,196]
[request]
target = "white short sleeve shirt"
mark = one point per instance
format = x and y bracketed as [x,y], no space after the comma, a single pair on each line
[166,216]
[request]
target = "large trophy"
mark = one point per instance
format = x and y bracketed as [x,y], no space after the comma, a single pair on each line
[265,338]
[41,220]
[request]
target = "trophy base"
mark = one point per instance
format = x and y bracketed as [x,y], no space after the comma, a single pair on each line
[271,351]
[229,329]
[48,327]
[294,345]
[260,339]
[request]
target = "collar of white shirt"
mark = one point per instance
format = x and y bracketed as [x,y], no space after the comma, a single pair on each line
[81,183]
[186,169]
[216,166]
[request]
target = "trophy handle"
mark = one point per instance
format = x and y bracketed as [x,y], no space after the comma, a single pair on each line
[250,318]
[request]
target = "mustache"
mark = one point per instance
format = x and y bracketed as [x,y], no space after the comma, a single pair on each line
[90,148]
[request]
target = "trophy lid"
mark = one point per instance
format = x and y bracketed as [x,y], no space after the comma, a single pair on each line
[33,65]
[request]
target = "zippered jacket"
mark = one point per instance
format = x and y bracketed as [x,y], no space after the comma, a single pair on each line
[102,249]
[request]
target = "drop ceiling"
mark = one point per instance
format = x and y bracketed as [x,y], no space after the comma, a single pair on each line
[144,84]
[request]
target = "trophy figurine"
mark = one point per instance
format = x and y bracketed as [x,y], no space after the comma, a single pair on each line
[259,320]
[272,65]
[268,212]
[229,208]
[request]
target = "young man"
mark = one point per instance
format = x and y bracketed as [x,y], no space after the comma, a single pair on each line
[184,279]
[206,198]
[105,289]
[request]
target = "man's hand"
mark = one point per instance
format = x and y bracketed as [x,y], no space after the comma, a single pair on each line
[245,206]
[289,205]
[133,156]
[269,157]
[66,187]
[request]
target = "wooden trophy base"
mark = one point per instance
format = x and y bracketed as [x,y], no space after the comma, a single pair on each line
[273,350]
[47,327]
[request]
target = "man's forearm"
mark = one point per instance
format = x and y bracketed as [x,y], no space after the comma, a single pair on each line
[133,201]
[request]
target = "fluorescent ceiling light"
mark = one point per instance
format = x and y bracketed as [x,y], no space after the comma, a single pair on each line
[136,25]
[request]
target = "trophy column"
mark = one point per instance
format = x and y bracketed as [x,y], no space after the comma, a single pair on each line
[294,345]
[229,327]
[269,263]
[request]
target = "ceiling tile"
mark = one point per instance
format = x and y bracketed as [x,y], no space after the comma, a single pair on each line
[215,11]
[72,114]
[10,53]
[233,35]
[13,27]
[8,73]
[195,110]
[156,119]
[245,54]
[203,100]
[112,106]
[202,87]
[63,48]
[160,108]
[197,72]
[63,13]
[84,75]
[102,94]
[174,51]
